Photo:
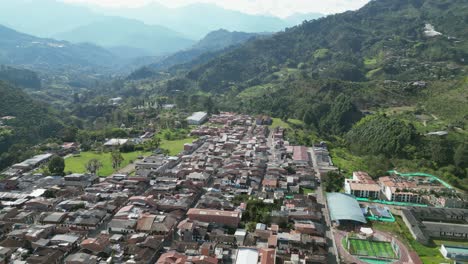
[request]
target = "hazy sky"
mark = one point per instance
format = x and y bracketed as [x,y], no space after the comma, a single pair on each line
[280,8]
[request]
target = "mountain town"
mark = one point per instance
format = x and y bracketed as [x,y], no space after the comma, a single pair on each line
[305,133]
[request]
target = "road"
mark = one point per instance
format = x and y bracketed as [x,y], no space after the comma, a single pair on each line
[321,198]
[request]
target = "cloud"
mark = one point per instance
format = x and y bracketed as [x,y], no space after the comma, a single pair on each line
[280,8]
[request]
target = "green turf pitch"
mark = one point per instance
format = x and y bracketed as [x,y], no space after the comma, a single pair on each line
[371,248]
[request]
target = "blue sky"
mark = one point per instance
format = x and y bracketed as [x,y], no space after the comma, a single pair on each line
[281,8]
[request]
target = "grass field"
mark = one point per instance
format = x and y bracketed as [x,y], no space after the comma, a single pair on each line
[307,191]
[371,248]
[277,122]
[346,161]
[77,164]
[175,146]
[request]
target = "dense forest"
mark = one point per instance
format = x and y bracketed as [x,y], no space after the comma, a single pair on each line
[32,123]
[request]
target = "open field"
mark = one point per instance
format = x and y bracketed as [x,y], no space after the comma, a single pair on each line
[175,146]
[346,161]
[77,164]
[371,248]
[277,122]
[307,191]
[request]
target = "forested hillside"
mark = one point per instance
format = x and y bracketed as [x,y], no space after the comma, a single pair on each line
[31,123]
[207,48]
[386,39]
[24,50]
[20,77]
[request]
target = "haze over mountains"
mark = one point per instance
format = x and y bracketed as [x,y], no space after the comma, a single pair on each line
[28,51]
[197,20]
[150,30]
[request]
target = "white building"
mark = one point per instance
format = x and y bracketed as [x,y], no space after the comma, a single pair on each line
[247,256]
[197,118]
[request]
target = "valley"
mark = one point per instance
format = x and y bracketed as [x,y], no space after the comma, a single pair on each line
[200,134]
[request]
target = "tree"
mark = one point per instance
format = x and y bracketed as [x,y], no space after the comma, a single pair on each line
[209,105]
[93,166]
[117,159]
[57,165]
[461,156]
[333,182]
[440,151]
[309,117]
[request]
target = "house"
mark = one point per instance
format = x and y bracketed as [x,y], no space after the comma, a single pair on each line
[197,118]
[398,189]
[33,162]
[99,245]
[115,143]
[122,226]
[229,218]
[362,186]
[81,258]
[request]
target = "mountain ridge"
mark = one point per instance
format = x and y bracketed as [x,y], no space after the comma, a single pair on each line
[111,32]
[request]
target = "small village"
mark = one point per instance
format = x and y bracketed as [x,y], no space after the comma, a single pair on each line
[238,193]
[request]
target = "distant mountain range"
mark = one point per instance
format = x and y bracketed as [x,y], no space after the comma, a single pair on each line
[207,48]
[19,49]
[132,37]
[150,30]
[197,20]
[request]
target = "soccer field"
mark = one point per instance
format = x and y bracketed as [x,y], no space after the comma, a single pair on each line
[371,248]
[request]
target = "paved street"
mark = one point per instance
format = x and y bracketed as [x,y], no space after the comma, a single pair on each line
[332,250]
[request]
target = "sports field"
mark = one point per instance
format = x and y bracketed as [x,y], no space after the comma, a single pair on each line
[371,248]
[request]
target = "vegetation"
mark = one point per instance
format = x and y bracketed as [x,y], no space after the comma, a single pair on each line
[333,182]
[56,166]
[33,122]
[80,164]
[117,159]
[259,212]
[381,135]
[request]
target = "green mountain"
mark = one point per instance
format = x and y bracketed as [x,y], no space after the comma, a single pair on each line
[220,39]
[20,77]
[19,49]
[33,123]
[115,32]
[386,39]
[210,46]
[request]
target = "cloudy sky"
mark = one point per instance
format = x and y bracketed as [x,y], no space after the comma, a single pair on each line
[280,8]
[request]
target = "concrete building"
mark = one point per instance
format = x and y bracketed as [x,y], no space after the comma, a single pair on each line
[33,162]
[247,256]
[399,189]
[197,118]
[426,223]
[229,218]
[456,253]
[362,185]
